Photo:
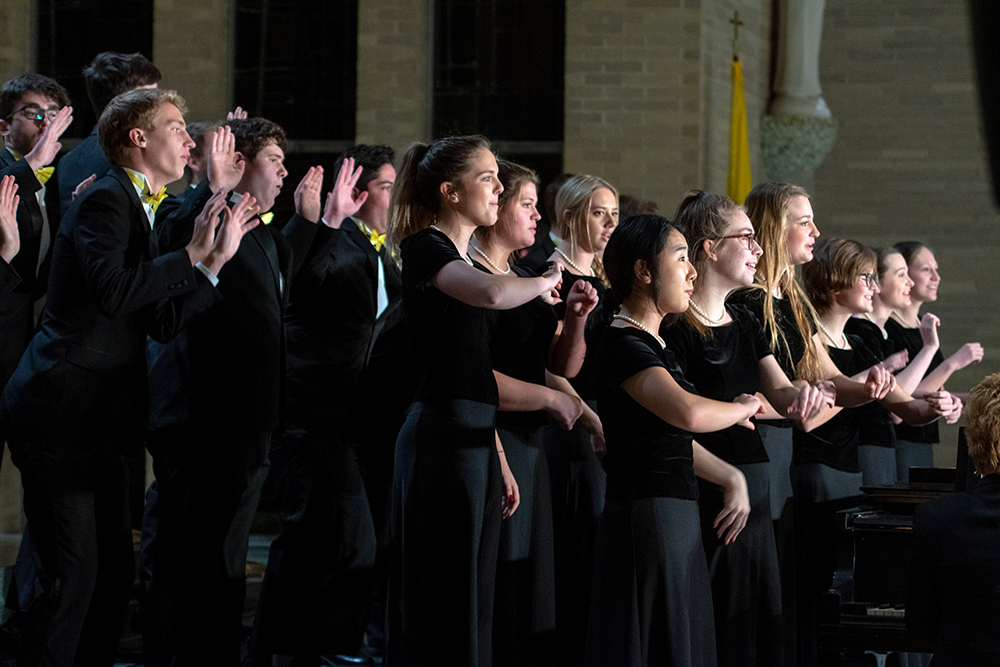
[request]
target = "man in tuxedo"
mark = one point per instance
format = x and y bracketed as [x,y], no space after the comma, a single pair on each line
[77,400]
[318,583]
[953,591]
[110,74]
[216,395]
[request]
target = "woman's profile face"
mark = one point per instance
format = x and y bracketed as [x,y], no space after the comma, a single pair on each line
[800,231]
[478,190]
[735,258]
[519,218]
[602,218]
[894,285]
[674,282]
[923,272]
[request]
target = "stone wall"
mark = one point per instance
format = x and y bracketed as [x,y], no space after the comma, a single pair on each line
[909,161]
[17,43]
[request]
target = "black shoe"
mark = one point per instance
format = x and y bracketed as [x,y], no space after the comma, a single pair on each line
[341,660]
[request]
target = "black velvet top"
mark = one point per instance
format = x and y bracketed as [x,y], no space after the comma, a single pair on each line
[752,298]
[835,443]
[646,456]
[450,338]
[585,382]
[875,424]
[909,338]
[723,366]
[520,349]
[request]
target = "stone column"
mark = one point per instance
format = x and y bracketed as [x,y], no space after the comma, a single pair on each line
[395,73]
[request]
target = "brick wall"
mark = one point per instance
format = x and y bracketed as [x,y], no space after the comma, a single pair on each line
[909,161]
[16,37]
[648,91]
[394,72]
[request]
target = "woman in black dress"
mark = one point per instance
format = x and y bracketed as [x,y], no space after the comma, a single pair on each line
[652,602]
[528,340]
[450,484]
[877,447]
[723,351]
[915,445]
[826,475]
[586,215]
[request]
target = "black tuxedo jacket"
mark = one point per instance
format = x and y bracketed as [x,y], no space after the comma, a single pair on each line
[17,318]
[86,158]
[225,371]
[331,321]
[82,380]
[953,593]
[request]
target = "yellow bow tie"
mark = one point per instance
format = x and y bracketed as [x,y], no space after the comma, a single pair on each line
[377,240]
[43,174]
[266,218]
[147,194]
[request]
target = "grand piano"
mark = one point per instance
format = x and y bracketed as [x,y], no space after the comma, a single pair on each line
[865,607]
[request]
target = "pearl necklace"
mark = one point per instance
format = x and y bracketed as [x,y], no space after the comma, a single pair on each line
[830,336]
[628,319]
[465,257]
[705,316]
[579,271]
[885,334]
[490,261]
[899,318]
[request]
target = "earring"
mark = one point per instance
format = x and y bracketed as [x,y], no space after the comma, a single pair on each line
[454,198]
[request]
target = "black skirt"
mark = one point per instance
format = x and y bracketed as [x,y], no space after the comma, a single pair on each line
[652,602]
[446,513]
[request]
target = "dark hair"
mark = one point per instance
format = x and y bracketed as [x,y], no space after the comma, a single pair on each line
[254,134]
[370,157]
[909,249]
[629,206]
[882,254]
[14,89]
[416,198]
[549,198]
[836,265]
[135,108]
[641,237]
[197,131]
[111,74]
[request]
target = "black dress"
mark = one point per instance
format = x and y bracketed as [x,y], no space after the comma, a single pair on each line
[914,444]
[652,601]
[447,489]
[578,485]
[525,614]
[746,588]
[877,444]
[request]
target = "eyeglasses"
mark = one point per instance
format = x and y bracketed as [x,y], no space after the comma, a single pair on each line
[36,113]
[749,237]
[870,279]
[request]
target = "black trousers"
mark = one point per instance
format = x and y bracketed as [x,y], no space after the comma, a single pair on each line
[196,596]
[77,505]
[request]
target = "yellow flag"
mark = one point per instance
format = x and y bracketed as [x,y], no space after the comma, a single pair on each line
[738,184]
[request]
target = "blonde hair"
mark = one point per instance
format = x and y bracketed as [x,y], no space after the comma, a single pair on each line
[767,207]
[133,109]
[982,425]
[572,208]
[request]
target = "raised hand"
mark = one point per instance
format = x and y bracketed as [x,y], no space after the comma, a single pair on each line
[928,329]
[224,170]
[880,382]
[967,354]
[236,114]
[896,361]
[83,185]
[10,240]
[340,202]
[581,299]
[307,194]
[48,144]
[203,235]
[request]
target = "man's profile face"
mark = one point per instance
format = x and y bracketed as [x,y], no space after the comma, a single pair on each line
[167,145]
[22,133]
[375,211]
[264,175]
